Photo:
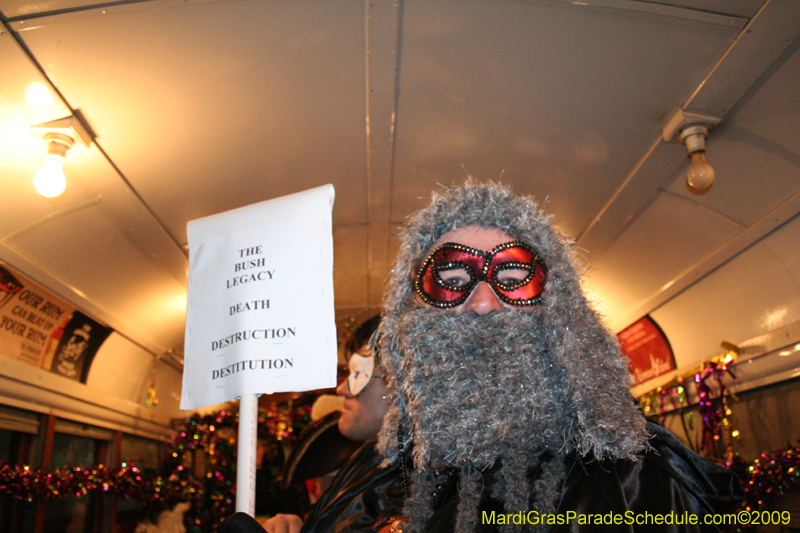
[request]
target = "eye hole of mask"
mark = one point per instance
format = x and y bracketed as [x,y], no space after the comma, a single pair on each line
[454,278]
[511,277]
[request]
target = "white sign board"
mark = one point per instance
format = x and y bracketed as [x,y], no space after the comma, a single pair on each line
[260,315]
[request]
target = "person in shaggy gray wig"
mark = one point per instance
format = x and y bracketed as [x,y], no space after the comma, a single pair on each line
[519,387]
[509,404]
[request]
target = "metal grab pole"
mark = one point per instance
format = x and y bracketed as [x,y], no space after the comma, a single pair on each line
[246,457]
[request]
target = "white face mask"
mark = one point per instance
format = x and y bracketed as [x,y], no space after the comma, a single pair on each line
[362,368]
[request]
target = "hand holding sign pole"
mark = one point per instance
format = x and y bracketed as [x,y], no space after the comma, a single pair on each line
[260,315]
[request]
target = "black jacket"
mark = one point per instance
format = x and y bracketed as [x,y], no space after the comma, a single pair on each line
[671,483]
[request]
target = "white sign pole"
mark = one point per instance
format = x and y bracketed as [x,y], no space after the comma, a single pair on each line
[246,458]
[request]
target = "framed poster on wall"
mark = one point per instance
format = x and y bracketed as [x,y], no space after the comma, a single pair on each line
[648,350]
[42,330]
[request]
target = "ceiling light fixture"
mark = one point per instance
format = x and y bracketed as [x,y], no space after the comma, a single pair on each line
[60,136]
[691,129]
[700,176]
[50,180]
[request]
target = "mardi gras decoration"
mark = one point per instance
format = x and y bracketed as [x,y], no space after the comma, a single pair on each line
[210,438]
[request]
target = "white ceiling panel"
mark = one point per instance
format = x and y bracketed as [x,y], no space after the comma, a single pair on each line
[755,293]
[22,8]
[116,353]
[739,8]
[99,259]
[649,259]
[542,93]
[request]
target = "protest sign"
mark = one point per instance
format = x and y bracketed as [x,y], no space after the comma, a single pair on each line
[260,316]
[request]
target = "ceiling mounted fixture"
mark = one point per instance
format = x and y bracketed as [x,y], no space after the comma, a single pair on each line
[691,129]
[60,136]
[700,176]
[50,180]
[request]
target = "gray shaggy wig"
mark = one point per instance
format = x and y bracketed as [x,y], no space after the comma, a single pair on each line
[514,391]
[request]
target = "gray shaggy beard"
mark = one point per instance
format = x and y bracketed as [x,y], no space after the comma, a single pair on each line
[520,387]
[483,389]
[479,387]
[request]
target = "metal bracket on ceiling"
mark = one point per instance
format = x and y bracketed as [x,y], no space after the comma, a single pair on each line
[71,125]
[685,119]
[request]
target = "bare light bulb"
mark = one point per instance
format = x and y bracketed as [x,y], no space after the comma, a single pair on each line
[50,181]
[700,175]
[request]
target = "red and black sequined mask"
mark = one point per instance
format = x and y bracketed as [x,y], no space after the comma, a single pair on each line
[451,272]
